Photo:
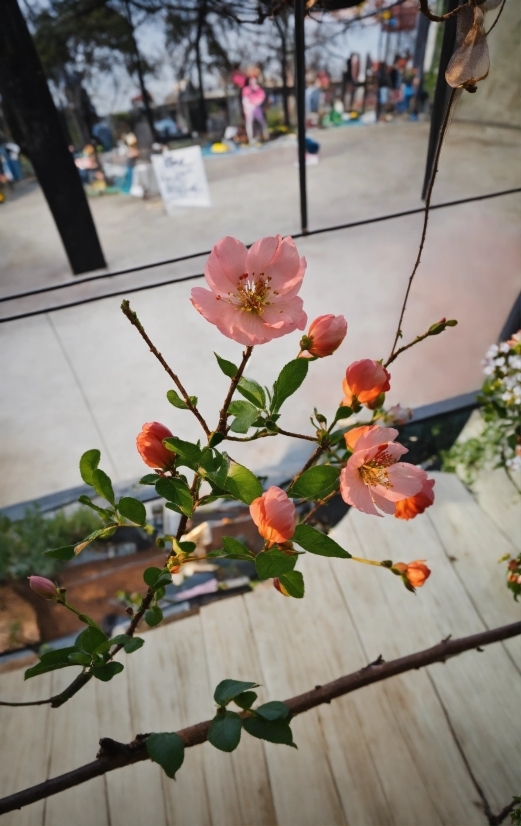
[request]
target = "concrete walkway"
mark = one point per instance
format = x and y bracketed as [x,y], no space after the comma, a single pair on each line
[82,378]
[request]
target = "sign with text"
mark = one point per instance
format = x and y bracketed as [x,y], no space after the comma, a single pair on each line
[181,178]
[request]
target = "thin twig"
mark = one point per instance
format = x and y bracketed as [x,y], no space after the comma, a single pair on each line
[296,435]
[400,350]
[223,415]
[439,18]
[114,755]
[132,317]
[444,128]
[500,12]
[319,505]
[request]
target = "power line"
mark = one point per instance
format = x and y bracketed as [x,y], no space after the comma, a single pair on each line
[129,290]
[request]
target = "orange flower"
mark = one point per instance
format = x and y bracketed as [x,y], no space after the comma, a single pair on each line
[413,574]
[274,515]
[150,446]
[365,381]
[411,507]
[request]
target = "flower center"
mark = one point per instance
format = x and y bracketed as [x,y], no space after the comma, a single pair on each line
[375,472]
[252,294]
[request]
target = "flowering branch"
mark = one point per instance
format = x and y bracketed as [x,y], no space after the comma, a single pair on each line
[434,330]
[221,427]
[132,317]
[114,755]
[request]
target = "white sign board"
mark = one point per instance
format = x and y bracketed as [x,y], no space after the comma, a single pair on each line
[181,178]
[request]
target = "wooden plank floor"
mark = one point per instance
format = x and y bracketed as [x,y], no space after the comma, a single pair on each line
[422,749]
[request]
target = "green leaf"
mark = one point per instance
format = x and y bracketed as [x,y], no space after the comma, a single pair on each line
[176,491]
[41,668]
[102,485]
[343,412]
[228,367]
[66,553]
[225,731]
[153,616]
[168,750]
[105,513]
[134,644]
[290,378]
[293,583]
[273,563]
[151,575]
[227,690]
[275,710]
[274,731]
[318,543]
[315,483]
[105,673]
[175,399]
[88,464]
[132,509]
[242,483]
[148,479]
[246,699]
[89,639]
[235,549]
[245,414]
[58,655]
[252,391]
[216,439]
[188,454]
[79,658]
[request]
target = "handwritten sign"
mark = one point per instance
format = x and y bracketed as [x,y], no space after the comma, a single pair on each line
[181,178]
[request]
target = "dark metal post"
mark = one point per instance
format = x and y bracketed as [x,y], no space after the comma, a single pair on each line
[35,125]
[441,94]
[300,82]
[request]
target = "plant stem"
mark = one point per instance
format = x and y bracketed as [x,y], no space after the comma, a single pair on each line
[134,320]
[443,131]
[296,435]
[400,350]
[319,505]
[223,415]
[424,8]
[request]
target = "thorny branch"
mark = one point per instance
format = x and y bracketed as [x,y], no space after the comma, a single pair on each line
[114,755]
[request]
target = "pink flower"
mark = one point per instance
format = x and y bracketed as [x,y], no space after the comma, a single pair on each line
[43,587]
[398,415]
[365,381]
[274,515]
[374,476]
[150,446]
[325,335]
[515,340]
[411,507]
[253,292]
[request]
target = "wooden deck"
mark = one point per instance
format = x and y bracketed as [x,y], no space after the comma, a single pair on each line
[422,749]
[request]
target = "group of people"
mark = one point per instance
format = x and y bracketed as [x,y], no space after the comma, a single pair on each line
[399,88]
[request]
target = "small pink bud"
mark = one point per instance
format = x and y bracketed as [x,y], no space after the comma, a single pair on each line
[43,587]
[325,335]
[274,515]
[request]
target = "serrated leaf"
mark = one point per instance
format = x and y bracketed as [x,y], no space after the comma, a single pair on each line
[252,391]
[89,639]
[168,750]
[175,399]
[134,645]
[293,583]
[225,731]
[88,464]
[270,564]
[132,509]
[228,367]
[274,710]
[315,483]
[245,414]
[153,616]
[148,479]
[318,543]
[178,492]
[102,485]
[105,673]
[274,731]
[245,700]
[188,454]
[241,483]
[290,378]
[227,690]
[65,554]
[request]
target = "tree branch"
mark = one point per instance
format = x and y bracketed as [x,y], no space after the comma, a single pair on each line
[114,755]
[134,320]
[221,427]
[439,18]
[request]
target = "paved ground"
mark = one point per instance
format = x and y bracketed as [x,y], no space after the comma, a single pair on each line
[82,377]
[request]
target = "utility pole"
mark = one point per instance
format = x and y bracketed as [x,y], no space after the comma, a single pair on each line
[300,83]
[34,122]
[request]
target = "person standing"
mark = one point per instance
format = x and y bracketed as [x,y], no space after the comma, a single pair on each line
[253,96]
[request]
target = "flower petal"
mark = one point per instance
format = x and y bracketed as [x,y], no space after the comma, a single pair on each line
[260,255]
[376,436]
[353,490]
[227,262]
[406,480]
[287,269]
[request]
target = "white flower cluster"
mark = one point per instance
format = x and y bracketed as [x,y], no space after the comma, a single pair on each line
[502,365]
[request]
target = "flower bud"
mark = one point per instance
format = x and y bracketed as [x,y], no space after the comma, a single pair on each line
[364,383]
[397,415]
[413,505]
[325,335]
[377,403]
[150,446]
[274,515]
[278,585]
[43,587]
[413,574]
